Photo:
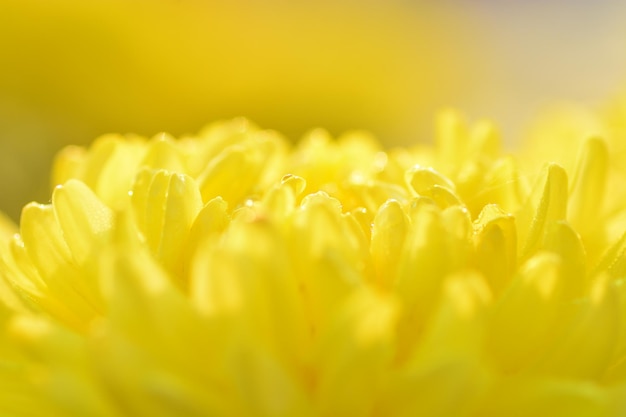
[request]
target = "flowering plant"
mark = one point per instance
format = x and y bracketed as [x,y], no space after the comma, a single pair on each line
[234,274]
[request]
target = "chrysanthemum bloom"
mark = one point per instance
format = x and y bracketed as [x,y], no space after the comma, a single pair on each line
[233,274]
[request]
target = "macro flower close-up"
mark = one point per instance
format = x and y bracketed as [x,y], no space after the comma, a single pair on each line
[232,273]
[471,269]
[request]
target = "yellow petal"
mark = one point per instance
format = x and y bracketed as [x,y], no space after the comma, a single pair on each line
[68,294]
[422,264]
[495,240]
[249,274]
[142,302]
[182,204]
[82,216]
[154,209]
[586,349]
[166,205]
[421,180]
[235,172]
[388,233]
[329,258]
[427,182]
[371,194]
[281,199]
[588,185]
[355,353]
[457,223]
[43,238]
[56,358]
[485,142]
[549,205]
[109,168]
[163,153]
[546,398]
[504,185]
[265,389]
[429,255]
[561,239]
[211,220]
[68,164]
[364,219]
[525,319]
[616,371]
[445,374]
[457,325]
[614,260]
[220,135]
[25,290]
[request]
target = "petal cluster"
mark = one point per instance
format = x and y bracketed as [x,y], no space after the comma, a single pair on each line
[234,274]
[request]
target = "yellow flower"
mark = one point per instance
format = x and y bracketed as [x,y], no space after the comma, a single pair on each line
[234,274]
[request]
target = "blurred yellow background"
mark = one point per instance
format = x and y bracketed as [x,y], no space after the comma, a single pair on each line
[71,70]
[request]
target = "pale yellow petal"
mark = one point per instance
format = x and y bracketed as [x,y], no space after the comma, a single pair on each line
[563,240]
[210,221]
[235,173]
[495,239]
[68,294]
[83,218]
[589,184]
[182,204]
[57,368]
[421,270]
[249,275]
[387,242]
[525,319]
[547,204]
[586,348]
[355,353]
[280,201]
[163,153]
[444,375]
[328,258]
[109,168]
